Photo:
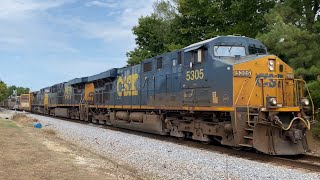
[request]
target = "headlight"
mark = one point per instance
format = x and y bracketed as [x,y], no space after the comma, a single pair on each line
[271,65]
[273,101]
[305,102]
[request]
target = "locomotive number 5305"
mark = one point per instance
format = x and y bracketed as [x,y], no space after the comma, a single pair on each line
[194,75]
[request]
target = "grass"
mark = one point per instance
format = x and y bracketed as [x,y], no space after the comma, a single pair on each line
[49,131]
[7,124]
[24,119]
[17,117]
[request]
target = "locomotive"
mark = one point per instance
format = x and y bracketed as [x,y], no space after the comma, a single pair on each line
[226,89]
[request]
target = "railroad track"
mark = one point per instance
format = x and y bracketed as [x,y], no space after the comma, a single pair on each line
[306,161]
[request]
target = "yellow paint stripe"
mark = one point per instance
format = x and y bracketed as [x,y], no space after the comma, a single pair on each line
[186,108]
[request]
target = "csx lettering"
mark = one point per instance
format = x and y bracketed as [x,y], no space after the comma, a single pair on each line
[126,86]
[267,80]
[194,75]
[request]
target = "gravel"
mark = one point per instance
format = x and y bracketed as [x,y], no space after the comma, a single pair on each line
[157,159]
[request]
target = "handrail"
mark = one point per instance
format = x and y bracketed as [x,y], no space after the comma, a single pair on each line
[283,79]
[241,90]
[306,123]
[235,108]
[248,108]
[309,94]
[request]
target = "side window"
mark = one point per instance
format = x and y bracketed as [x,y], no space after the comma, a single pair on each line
[187,58]
[194,56]
[147,67]
[179,58]
[204,55]
[174,62]
[200,56]
[159,63]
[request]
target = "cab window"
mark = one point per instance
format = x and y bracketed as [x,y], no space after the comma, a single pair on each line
[256,50]
[229,51]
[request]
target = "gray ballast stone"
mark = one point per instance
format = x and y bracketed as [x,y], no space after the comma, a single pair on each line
[157,159]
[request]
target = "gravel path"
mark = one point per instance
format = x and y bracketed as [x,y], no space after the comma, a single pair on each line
[165,160]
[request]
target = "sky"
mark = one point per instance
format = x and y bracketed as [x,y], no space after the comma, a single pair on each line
[44,42]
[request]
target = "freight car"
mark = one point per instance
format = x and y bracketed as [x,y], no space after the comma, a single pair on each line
[11,103]
[25,102]
[226,89]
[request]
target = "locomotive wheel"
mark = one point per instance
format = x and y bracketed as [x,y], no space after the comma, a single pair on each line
[237,148]
[206,142]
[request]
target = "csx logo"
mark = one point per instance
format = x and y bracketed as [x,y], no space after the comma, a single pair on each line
[126,86]
[267,80]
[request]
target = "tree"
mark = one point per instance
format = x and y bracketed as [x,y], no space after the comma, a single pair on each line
[152,33]
[3,91]
[20,90]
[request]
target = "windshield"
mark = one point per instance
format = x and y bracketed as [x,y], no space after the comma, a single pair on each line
[256,50]
[229,51]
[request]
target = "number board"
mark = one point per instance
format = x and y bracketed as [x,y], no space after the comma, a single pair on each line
[242,73]
[194,75]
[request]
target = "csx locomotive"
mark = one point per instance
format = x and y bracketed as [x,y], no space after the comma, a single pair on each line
[226,89]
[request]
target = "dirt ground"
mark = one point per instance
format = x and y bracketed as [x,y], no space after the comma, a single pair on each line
[29,153]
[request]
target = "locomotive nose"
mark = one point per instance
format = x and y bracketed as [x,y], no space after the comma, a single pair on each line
[268,101]
[263,82]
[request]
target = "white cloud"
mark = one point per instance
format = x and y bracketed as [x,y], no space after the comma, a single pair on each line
[31,19]
[13,9]
[24,27]
[123,16]
[102,4]
[117,28]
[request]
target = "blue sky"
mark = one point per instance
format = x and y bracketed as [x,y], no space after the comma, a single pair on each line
[43,42]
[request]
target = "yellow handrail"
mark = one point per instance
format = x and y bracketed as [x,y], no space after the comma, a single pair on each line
[248,108]
[309,94]
[235,104]
[249,99]
[306,122]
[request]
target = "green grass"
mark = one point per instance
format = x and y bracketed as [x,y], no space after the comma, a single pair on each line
[7,124]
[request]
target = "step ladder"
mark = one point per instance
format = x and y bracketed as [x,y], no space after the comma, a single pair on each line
[247,140]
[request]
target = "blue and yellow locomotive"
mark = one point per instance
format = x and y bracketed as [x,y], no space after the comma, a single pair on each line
[226,89]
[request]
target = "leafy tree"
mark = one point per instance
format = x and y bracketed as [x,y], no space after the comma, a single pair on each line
[152,33]
[20,90]
[3,91]
[138,55]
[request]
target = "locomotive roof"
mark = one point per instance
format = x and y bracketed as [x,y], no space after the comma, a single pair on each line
[219,40]
[78,81]
[112,73]
[225,40]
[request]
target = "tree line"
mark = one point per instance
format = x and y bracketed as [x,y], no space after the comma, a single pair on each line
[7,91]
